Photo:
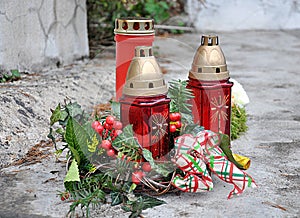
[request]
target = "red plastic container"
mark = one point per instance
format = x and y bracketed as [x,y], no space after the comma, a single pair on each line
[130,33]
[212,104]
[144,103]
[149,117]
[209,81]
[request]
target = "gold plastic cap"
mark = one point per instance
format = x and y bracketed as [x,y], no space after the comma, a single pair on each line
[209,61]
[144,77]
[129,26]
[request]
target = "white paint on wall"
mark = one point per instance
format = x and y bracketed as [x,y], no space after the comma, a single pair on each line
[37,33]
[231,15]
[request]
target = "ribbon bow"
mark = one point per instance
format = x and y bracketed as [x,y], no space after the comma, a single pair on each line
[195,155]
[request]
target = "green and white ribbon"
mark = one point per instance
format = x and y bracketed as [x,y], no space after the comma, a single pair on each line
[195,154]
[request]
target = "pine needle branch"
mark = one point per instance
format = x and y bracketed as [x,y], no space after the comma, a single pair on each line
[180,99]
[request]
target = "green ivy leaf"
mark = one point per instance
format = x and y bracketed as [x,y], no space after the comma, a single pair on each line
[77,139]
[126,137]
[74,109]
[225,146]
[127,144]
[75,154]
[159,168]
[73,173]
[58,115]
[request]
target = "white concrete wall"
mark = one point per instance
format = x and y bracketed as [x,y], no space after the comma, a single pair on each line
[37,33]
[230,15]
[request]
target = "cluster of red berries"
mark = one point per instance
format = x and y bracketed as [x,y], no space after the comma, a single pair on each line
[137,175]
[64,196]
[140,169]
[175,123]
[108,131]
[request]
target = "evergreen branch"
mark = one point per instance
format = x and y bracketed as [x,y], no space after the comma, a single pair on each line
[180,99]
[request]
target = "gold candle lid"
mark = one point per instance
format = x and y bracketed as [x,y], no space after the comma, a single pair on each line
[209,61]
[144,77]
[129,26]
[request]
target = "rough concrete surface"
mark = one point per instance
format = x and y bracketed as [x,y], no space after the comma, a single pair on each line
[265,62]
[38,33]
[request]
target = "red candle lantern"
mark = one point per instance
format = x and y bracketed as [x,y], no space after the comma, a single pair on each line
[144,103]
[130,33]
[209,80]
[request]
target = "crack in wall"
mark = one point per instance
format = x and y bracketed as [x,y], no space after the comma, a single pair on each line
[5,15]
[56,22]
[72,20]
[14,19]
[52,29]
[40,19]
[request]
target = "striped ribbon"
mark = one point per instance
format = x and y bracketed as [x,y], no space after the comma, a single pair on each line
[194,155]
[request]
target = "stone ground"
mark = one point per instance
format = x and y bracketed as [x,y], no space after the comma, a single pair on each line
[265,62]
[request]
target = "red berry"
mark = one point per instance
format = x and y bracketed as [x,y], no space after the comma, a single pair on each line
[64,196]
[112,133]
[110,120]
[178,124]
[107,126]
[135,180]
[146,167]
[99,129]
[173,117]
[106,144]
[137,176]
[118,132]
[111,153]
[178,116]
[95,124]
[172,128]
[117,125]
[67,195]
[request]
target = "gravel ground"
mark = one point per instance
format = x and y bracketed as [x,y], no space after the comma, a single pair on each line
[265,62]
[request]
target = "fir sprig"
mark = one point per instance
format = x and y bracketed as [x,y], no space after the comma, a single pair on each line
[180,97]
[89,192]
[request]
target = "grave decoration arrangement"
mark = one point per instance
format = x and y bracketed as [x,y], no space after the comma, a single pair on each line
[154,139]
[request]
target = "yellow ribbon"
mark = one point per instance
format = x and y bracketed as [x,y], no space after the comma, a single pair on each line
[242,160]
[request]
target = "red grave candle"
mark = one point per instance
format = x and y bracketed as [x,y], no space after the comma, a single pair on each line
[144,103]
[130,33]
[209,81]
